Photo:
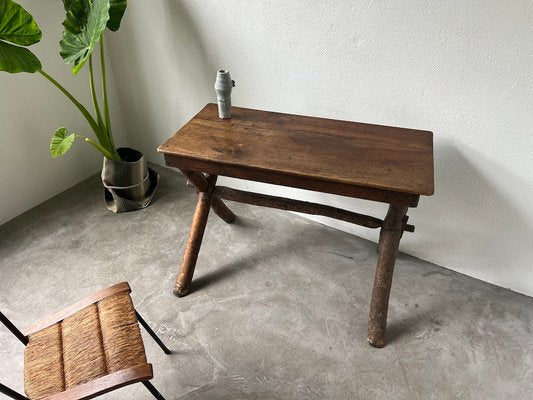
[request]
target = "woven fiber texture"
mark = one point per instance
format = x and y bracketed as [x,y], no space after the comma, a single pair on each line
[43,363]
[95,341]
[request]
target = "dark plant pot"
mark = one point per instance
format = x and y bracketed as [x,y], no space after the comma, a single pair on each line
[128,184]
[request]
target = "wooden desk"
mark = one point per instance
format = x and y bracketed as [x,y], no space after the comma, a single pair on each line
[372,162]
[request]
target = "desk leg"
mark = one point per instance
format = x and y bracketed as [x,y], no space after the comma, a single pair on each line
[198,181]
[196,234]
[389,240]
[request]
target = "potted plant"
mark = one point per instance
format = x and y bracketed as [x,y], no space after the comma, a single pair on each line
[128,182]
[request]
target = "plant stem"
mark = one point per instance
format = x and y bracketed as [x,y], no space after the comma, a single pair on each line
[104,95]
[94,125]
[101,149]
[93,94]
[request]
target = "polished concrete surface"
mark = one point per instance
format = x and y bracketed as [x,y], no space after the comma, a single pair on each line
[279,308]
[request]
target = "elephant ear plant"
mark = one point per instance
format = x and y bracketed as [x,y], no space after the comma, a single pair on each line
[129,183]
[84,26]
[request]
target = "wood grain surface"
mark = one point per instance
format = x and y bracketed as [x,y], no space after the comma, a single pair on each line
[308,148]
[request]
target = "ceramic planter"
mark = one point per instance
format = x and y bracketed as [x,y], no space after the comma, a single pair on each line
[128,184]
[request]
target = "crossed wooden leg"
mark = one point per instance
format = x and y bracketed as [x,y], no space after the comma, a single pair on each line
[389,240]
[201,184]
[206,200]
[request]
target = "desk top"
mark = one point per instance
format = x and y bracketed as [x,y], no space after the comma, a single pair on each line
[319,149]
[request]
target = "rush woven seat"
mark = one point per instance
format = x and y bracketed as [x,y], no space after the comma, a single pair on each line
[88,349]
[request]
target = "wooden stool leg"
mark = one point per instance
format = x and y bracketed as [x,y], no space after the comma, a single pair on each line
[389,240]
[194,242]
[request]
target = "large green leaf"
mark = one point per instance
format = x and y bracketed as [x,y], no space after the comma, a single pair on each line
[67,4]
[76,18]
[61,142]
[76,48]
[17,25]
[15,59]
[77,11]
[116,12]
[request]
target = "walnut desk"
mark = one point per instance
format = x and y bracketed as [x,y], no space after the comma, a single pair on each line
[372,162]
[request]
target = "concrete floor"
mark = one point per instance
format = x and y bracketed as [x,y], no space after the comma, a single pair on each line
[280,306]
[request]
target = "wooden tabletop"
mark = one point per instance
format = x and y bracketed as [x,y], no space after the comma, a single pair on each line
[347,153]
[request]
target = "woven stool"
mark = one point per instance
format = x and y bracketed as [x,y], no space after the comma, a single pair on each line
[86,350]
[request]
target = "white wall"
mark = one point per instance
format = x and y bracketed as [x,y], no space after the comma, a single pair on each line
[31,109]
[461,69]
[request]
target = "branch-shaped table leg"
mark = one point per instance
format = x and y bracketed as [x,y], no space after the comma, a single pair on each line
[389,240]
[218,206]
[196,234]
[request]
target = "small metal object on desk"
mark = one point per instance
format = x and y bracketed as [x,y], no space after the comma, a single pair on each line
[223,86]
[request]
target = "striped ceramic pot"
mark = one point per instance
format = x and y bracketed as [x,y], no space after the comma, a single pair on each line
[129,184]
